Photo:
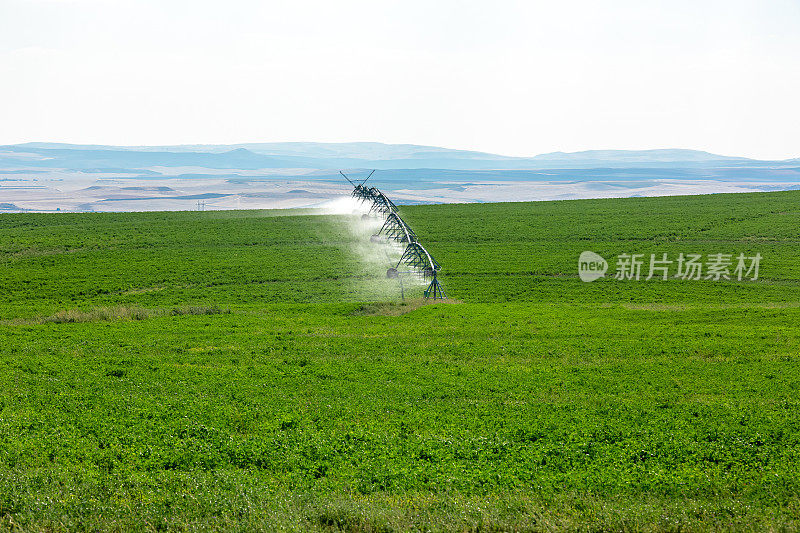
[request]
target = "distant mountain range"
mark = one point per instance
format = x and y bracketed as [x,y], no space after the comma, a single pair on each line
[52,177]
[356,155]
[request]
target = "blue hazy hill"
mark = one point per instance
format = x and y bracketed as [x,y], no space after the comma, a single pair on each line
[301,155]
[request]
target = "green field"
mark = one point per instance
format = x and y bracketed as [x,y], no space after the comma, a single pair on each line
[249,370]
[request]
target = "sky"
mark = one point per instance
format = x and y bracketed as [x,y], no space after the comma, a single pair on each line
[509,77]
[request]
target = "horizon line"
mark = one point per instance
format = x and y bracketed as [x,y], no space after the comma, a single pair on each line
[566,152]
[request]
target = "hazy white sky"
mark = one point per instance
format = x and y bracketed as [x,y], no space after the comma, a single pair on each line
[512,77]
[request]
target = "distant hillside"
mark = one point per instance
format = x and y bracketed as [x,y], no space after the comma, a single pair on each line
[314,150]
[667,155]
[326,156]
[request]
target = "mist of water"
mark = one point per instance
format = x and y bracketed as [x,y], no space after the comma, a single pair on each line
[376,254]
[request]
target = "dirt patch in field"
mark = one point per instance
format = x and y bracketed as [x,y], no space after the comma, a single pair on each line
[398,308]
[109,314]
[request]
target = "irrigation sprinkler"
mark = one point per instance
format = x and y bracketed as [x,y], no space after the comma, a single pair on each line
[421,262]
[353,182]
[415,257]
[396,229]
[361,191]
[435,290]
[365,194]
[381,204]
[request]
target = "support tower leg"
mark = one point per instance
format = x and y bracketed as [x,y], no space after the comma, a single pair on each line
[435,290]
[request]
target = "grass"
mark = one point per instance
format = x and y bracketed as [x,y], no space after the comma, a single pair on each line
[192,371]
[119,312]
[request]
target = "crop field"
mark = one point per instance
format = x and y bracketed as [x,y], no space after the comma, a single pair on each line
[249,370]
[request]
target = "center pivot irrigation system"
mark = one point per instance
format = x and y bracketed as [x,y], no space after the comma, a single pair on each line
[415,258]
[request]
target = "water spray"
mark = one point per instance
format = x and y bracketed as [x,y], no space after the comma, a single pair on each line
[415,258]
